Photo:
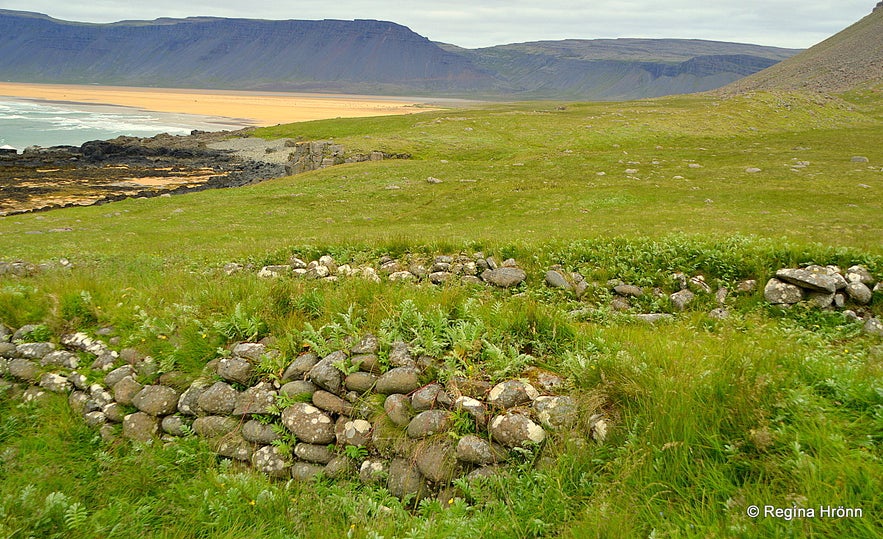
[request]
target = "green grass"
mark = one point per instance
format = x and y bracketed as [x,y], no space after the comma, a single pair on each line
[706,417]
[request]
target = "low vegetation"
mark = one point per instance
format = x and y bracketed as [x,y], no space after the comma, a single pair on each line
[706,417]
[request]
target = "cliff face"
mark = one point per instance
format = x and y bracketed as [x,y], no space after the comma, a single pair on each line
[239,53]
[362,56]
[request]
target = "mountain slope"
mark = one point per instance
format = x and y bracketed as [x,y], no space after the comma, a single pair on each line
[622,68]
[362,56]
[849,59]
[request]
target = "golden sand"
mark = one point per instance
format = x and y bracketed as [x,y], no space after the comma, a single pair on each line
[251,108]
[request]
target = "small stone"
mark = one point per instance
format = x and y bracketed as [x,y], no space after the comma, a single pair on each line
[255,400]
[175,425]
[437,461]
[819,281]
[399,355]
[429,423]
[326,374]
[360,382]
[55,383]
[125,390]
[317,454]
[429,397]
[214,426]
[331,403]
[298,388]
[140,427]
[256,432]
[356,432]
[404,479]
[234,369]
[859,292]
[555,279]
[399,410]
[504,277]
[398,380]
[300,366]
[373,471]
[873,326]
[681,299]
[270,461]
[249,351]
[629,290]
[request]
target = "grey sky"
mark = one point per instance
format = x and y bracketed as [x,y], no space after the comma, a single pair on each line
[480,23]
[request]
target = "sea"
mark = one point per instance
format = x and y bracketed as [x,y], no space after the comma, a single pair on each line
[25,122]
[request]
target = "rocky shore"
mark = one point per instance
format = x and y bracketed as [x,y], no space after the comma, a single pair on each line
[104,171]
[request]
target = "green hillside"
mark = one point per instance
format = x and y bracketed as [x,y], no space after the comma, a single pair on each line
[706,416]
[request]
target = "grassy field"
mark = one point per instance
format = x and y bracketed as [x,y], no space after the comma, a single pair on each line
[707,417]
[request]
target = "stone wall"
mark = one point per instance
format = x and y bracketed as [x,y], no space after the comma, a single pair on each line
[318,154]
[347,414]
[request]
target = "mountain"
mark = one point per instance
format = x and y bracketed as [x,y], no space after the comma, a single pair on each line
[361,56]
[847,60]
[621,68]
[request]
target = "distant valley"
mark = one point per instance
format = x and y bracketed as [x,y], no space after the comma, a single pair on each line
[362,56]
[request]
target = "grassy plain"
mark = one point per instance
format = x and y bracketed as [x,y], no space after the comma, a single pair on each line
[707,417]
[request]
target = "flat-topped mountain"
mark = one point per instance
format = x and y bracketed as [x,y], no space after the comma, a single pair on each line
[849,59]
[361,56]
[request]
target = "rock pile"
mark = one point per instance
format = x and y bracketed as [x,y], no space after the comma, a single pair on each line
[318,154]
[348,414]
[822,287]
[475,269]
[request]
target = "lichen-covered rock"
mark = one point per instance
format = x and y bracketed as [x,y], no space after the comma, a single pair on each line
[404,480]
[873,326]
[398,380]
[234,369]
[515,430]
[681,299]
[214,426]
[298,388]
[140,427]
[175,425]
[125,390]
[35,350]
[249,351]
[628,290]
[23,369]
[367,363]
[259,433]
[219,399]
[305,471]
[474,408]
[859,292]
[114,412]
[60,358]
[399,355]
[820,300]
[317,454]
[473,449]
[367,345]
[188,401]
[339,467]
[233,446]
[269,460]
[8,350]
[326,375]
[255,400]
[113,377]
[96,419]
[512,393]
[818,280]
[308,423]
[429,423]
[355,432]
[555,412]
[781,293]
[430,396]
[860,274]
[156,400]
[505,277]
[373,471]
[55,383]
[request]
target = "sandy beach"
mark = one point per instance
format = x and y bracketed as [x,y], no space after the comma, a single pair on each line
[244,107]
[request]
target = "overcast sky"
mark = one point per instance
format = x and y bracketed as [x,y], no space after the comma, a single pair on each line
[481,23]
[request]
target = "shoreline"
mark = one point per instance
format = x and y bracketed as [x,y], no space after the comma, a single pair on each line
[239,107]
